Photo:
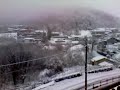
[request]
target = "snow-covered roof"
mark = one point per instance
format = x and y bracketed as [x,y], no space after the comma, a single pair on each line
[75,42]
[9,35]
[41,31]
[97,58]
[28,38]
[117,56]
[49,47]
[76,47]
[105,64]
[23,29]
[99,30]
[86,33]
[83,33]
[56,32]
[73,35]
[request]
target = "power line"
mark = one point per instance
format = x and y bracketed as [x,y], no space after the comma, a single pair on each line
[25,62]
[30,67]
[29,60]
[20,70]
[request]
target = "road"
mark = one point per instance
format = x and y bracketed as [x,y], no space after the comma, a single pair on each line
[78,82]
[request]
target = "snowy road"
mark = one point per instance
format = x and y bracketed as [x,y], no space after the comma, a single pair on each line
[74,83]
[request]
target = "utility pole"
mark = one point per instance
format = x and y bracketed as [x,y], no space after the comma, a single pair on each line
[86,49]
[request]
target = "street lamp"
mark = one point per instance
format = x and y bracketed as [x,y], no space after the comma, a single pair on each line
[86,49]
[86,35]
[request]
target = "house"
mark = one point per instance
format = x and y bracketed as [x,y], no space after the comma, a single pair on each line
[116,57]
[112,48]
[109,41]
[54,34]
[37,34]
[101,46]
[75,39]
[79,38]
[24,32]
[101,61]
[62,39]
[29,40]
[112,40]
[41,32]
[8,35]
[98,32]
[98,59]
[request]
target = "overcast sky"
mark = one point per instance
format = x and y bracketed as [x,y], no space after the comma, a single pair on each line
[14,9]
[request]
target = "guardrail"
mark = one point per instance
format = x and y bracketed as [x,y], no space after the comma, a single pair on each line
[69,76]
[78,74]
[73,75]
[100,70]
[102,84]
[105,83]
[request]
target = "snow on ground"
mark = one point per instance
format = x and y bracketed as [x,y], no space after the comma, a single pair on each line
[76,47]
[94,53]
[49,47]
[117,56]
[74,42]
[76,69]
[105,64]
[43,86]
[66,84]
[86,33]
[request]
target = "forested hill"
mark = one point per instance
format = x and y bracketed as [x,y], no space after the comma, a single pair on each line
[81,18]
[67,19]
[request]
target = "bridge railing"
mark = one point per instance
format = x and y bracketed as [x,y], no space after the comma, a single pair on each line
[100,83]
[104,82]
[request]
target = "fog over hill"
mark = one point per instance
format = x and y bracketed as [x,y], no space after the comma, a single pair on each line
[81,18]
[71,18]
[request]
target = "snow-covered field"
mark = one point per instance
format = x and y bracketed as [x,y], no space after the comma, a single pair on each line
[73,83]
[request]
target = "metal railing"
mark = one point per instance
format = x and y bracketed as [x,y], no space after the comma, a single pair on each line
[101,83]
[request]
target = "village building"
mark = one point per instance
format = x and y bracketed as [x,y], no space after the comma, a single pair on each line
[9,35]
[100,60]
[62,39]
[54,34]
[98,32]
[29,40]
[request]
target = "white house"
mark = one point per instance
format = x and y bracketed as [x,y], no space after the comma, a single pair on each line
[62,39]
[101,61]
[98,32]
[76,39]
[56,34]
[98,59]
[8,35]
[41,31]
[29,40]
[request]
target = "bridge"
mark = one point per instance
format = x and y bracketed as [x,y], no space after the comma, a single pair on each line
[96,81]
[101,84]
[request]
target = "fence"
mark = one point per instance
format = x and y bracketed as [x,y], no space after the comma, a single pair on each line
[102,84]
